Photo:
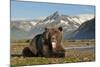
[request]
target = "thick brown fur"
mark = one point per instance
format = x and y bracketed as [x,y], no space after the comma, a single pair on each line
[48,44]
[27,52]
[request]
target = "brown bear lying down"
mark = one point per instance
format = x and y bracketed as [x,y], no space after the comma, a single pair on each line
[47,44]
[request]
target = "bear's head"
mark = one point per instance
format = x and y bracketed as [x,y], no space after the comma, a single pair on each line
[53,38]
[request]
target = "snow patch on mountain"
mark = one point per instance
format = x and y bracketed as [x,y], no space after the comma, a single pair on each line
[35,26]
[85,17]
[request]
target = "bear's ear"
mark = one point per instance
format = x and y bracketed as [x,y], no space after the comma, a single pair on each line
[60,28]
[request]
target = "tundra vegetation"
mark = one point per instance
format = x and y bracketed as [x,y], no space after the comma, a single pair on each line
[71,55]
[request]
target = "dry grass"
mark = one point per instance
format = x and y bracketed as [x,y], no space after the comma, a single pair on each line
[70,57]
[78,43]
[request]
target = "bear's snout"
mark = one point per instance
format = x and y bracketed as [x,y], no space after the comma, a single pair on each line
[54,44]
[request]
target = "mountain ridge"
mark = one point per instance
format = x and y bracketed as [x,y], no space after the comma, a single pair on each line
[32,27]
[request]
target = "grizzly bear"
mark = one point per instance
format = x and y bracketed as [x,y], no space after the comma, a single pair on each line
[48,44]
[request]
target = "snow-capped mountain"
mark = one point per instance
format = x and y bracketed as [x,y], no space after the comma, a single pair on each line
[67,22]
[29,28]
[86,30]
[23,25]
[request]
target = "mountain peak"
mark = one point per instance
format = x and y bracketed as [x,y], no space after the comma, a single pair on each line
[54,16]
[56,13]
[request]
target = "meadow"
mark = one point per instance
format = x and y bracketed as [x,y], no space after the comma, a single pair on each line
[71,55]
